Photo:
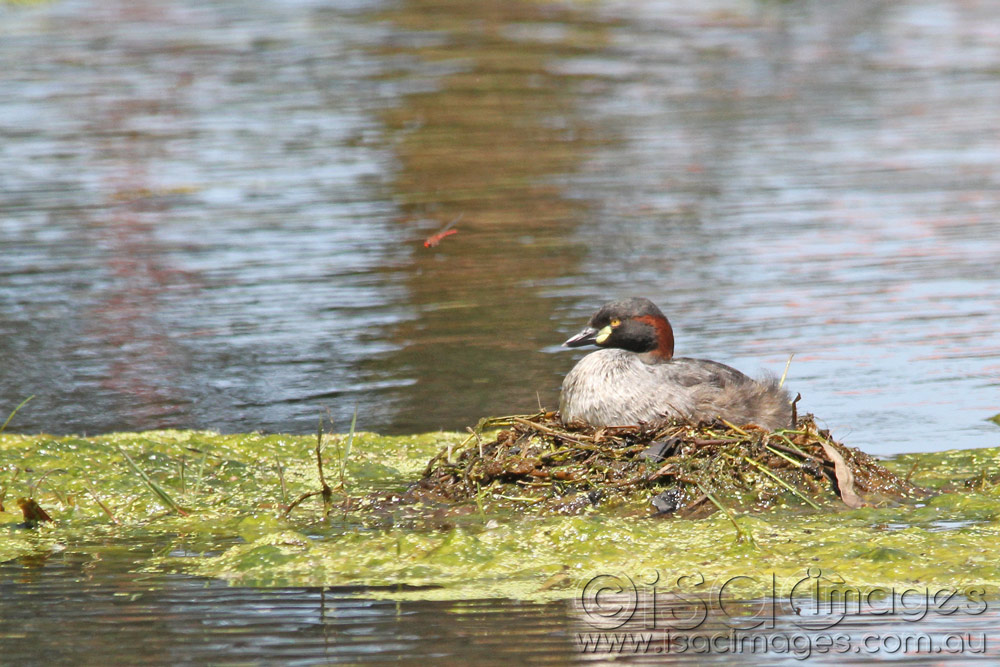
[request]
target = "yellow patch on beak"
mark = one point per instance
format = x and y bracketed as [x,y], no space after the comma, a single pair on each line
[603,334]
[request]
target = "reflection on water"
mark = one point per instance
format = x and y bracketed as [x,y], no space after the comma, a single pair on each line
[62,610]
[194,230]
[804,180]
[213,212]
[485,144]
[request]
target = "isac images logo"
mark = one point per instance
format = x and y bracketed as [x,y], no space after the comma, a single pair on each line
[761,614]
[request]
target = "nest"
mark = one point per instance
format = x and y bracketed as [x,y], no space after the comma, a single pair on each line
[677,468]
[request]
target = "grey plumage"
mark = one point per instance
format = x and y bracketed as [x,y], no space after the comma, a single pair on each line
[616,387]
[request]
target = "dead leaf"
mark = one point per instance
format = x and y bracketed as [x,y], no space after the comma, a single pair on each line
[845,478]
[32,511]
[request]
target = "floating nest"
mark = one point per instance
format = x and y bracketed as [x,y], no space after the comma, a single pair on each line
[673,468]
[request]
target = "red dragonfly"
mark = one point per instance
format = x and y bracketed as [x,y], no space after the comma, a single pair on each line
[446,231]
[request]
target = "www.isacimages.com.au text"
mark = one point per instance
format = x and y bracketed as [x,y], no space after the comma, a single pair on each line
[798,645]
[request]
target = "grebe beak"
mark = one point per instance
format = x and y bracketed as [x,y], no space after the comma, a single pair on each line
[586,337]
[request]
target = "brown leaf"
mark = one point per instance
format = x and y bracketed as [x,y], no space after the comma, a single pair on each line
[32,511]
[845,478]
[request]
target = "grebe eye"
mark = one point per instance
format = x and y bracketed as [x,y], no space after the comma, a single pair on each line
[615,322]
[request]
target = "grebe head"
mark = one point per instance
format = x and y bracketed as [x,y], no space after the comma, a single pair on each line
[633,324]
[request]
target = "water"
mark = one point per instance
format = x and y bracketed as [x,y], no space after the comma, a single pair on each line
[212,215]
[62,610]
[183,620]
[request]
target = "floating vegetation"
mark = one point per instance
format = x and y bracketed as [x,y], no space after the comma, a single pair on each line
[678,468]
[505,510]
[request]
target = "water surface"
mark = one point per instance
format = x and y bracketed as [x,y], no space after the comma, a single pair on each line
[213,213]
[63,608]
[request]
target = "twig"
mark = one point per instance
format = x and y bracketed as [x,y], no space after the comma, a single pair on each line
[304,496]
[434,459]
[480,426]
[715,441]
[551,431]
[479,440]
[325,491]
[792,448]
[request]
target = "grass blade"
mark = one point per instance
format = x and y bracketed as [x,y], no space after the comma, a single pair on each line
[350,436]
[11,415]
[153,486]
[741,533]
[763,469]
[785,374]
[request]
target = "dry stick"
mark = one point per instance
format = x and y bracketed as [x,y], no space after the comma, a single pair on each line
[325,491]
[690,507]
[430,464]
[795,411]
[793,449]
[479,440]
[483,423]
[667,469]
[715,441]
[551,431]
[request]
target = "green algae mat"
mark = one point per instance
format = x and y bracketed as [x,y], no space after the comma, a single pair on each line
[253,509]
